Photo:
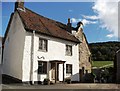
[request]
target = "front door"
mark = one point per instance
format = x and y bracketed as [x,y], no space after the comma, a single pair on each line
[55,71]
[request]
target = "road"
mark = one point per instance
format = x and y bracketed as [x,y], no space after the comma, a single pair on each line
[63,86]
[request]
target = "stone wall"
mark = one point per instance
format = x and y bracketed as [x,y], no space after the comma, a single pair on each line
[84,52]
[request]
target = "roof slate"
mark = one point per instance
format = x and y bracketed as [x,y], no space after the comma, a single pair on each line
[33,21]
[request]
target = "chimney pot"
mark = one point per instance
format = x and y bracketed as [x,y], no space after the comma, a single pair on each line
[69,26]
[68,20]
[19,4]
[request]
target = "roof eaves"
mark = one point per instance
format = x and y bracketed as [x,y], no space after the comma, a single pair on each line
[38,32]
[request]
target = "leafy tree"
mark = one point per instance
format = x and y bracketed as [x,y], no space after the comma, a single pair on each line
[104,51]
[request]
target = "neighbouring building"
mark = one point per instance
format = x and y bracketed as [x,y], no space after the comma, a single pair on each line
[84,51]
[36,48]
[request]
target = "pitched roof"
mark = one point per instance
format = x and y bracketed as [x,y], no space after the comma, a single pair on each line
[33,21]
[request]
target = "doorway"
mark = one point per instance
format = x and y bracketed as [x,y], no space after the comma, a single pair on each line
[55,70]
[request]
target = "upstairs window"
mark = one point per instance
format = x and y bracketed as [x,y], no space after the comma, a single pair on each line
[43,45]
[42,67]
[68,50]
[69,68]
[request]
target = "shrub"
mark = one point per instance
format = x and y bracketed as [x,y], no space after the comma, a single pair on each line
[46,81]
[68,80]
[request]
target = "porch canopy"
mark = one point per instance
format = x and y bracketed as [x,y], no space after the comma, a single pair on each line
[56,62]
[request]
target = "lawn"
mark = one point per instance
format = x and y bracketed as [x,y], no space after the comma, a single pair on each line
[102,63]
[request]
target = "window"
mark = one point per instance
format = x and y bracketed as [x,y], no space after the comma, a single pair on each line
[89,58]
[69,68]
[68,50]
[42,67]
[42,44]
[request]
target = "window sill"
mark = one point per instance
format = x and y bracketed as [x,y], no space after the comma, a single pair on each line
[68,55]
[42,74]
[68,74]
[42,50]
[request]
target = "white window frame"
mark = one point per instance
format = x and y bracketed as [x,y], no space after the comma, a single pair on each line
[43,45]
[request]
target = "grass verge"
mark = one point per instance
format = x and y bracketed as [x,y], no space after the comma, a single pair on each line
[102,63]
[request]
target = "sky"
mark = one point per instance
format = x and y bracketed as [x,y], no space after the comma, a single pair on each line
[100,19]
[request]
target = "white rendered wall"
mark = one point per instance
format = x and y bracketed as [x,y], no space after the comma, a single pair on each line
[13,48]
[56,51]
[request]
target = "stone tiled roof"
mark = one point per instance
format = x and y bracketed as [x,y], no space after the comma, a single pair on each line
[33,21]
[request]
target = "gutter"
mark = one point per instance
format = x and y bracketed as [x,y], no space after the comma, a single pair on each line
[32,58]
[77,41]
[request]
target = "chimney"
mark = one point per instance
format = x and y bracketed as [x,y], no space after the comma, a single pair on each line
[19,4]
[69,26]
[80,25]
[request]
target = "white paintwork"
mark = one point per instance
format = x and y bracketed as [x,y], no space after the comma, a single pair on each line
[13,48]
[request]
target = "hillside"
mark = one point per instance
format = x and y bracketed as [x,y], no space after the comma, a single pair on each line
[104,51]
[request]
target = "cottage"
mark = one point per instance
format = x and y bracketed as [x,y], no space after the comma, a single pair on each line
[36,48]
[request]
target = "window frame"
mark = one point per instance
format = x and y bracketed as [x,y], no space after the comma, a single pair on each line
[69,69]
[68,52]
[43,70]
[43,45]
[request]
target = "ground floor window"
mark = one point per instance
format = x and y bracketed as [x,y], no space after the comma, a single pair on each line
[69,68]
[42,67]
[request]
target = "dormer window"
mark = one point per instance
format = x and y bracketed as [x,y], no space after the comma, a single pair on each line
[68,50]
[43,44]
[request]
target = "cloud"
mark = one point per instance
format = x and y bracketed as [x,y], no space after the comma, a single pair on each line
[75,20]
[70,10]
[109,35]
[84,21]
[94,17]
[108,16]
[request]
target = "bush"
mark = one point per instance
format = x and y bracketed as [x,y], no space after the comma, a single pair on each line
[46,81]
[88,78]
[68,80]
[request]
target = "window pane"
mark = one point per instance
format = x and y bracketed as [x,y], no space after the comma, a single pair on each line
[45,45]
[68,50]
[42,44]
[69,68]
[42,67]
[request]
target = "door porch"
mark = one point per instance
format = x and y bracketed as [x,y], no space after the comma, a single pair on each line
[55,70]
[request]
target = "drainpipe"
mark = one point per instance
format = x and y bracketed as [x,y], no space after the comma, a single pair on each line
[32,58]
